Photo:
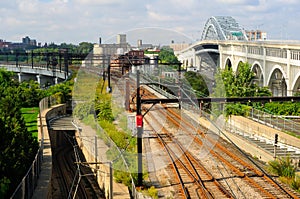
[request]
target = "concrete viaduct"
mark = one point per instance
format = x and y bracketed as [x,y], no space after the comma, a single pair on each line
[43,75]
[276,64]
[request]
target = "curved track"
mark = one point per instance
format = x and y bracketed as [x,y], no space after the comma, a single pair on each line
[71,180]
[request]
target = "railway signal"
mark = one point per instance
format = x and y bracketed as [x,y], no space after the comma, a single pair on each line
[275,144]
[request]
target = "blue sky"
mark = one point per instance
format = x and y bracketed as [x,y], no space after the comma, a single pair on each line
[74,21]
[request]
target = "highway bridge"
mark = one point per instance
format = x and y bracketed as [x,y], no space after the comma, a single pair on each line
[276,64]
[46,68]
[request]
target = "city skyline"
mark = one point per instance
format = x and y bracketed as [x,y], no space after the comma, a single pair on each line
[74,21]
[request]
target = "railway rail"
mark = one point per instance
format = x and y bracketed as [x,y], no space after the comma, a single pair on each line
[70,180]
[241,169]
[234,175]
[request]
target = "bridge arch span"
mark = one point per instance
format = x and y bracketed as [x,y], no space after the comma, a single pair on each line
[296,84]
[222,28]
[228,63]
[257,69]
[236,66]
[277,81]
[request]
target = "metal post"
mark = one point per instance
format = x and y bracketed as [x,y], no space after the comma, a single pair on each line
[127,94]
[47,60]
[108,78]
[17,59]
[96,155]
[179,86]
[110,181]
[139,131]
[59,60]
[275,145]
[31,58]
[66,62]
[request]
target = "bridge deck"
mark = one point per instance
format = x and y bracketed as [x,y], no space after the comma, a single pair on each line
[62,124]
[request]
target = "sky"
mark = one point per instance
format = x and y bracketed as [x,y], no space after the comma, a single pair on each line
[75,21]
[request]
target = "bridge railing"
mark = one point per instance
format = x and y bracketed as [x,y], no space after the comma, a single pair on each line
[35,65]
[274,121]
[28,184]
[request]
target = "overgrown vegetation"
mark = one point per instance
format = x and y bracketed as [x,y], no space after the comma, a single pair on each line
[286,170]
[97,103]
[281,108]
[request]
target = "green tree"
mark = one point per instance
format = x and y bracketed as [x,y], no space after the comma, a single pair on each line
[85,47]
[239,84]
[166,55]
[17,147]
[30,93]
[197,82]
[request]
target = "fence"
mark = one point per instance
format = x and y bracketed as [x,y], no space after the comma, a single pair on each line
[274,121]
[28,184]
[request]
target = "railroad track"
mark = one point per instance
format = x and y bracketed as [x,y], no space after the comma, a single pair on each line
[240,169]
[194,181]
[243,169]
[235,176]
[69,180]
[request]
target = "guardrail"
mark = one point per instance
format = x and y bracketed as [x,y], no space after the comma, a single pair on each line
[275,121]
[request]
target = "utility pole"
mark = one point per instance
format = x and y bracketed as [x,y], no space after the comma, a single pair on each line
[139,126]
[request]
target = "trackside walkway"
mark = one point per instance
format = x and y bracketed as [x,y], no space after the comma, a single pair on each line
[43,186]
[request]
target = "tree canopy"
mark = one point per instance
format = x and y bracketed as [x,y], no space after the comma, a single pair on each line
[237,84]
[197,82]
[166,55]
[17,147]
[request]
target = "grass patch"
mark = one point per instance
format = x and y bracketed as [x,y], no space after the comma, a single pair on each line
[30,117]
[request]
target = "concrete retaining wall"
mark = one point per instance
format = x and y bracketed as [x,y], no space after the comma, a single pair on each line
[101,171]
[256,128]
[43,189]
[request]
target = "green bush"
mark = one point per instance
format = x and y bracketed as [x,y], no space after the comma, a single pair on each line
[153,193]
[283,167]
[237,109]
[296,183]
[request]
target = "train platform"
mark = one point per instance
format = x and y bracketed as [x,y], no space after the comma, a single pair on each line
[253,137]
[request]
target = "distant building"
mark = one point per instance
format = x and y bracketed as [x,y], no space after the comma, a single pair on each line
[142,46]
[103,52]
[27,41]
[178,46]
[4,44]
[256,35]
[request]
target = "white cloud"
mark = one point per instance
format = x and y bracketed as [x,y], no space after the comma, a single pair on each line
[86,20]
[98,2]
[232,1]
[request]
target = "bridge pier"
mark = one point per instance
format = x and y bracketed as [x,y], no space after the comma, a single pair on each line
[25,77]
